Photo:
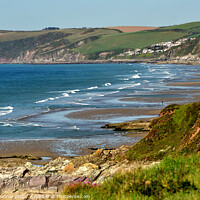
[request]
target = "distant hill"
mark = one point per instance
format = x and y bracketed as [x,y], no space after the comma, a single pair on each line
[72,45]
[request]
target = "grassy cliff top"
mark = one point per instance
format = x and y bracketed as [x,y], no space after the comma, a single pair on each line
[176,131]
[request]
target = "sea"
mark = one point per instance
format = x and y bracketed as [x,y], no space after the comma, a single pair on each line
[35,100]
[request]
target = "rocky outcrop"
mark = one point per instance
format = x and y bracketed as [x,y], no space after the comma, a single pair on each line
[134,126]
[52,177]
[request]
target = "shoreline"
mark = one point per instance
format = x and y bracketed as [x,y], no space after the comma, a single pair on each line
[40,148]
[147,61]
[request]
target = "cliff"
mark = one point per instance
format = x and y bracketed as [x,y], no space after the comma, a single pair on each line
[176,131]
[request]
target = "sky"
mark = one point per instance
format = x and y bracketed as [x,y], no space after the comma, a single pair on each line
[38,14]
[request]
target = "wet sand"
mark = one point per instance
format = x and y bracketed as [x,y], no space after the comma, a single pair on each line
[182,91]
[35,148]
[154,99]
[100,114]
[136,134]
[190,84]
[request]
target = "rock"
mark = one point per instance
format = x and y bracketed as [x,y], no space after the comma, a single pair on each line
[65,180]
[91,166]
[99,152]
[28,165]
[38,181]
[53,189]
[10,184]
[53,169]
[106,152]
[129,126]
[21,171]
[24,182]
[87,170]
[54,180]
[67,161]
[69,168]
[5,176]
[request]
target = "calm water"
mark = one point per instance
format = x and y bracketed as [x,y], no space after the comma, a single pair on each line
[34,99]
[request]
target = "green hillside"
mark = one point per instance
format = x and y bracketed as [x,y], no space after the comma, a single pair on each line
[187,26]
[176,131]
[85,43]
[14,43]
[75,33]
[129,41]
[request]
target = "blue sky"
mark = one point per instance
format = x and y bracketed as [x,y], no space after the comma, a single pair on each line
[38,14]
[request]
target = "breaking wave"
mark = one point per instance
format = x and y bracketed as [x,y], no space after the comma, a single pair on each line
[6,110]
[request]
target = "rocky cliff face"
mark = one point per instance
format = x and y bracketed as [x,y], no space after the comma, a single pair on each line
[57,57]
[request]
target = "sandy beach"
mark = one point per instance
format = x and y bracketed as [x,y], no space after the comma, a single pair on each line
[96,114]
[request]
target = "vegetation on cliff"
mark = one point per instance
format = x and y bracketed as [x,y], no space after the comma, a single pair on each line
[174,138]
[173,178]
[176,131]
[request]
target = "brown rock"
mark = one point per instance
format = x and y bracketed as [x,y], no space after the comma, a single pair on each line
[24,182]
[21,171]
[99,152]
[91,166]
[38,181]
[54,180]
[106,152]
[69,168]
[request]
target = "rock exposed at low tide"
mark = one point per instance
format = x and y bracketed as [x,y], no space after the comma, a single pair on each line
[52,177]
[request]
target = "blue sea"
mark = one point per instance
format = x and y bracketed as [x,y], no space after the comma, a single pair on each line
[36,99]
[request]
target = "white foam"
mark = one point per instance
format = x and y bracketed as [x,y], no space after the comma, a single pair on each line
[152,70]
[91,88]
[125,79]
[6,124]
[79,100]
[83,104]
[6,110]
[42,101]
[36,125]
[65,94]
[166,72]
[129,86]
[107,84]
[113,92]
[75,127]
[136,76]
[73,91]
[51,99]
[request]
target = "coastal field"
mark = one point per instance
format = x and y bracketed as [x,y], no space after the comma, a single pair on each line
[129,41]
[127,29]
